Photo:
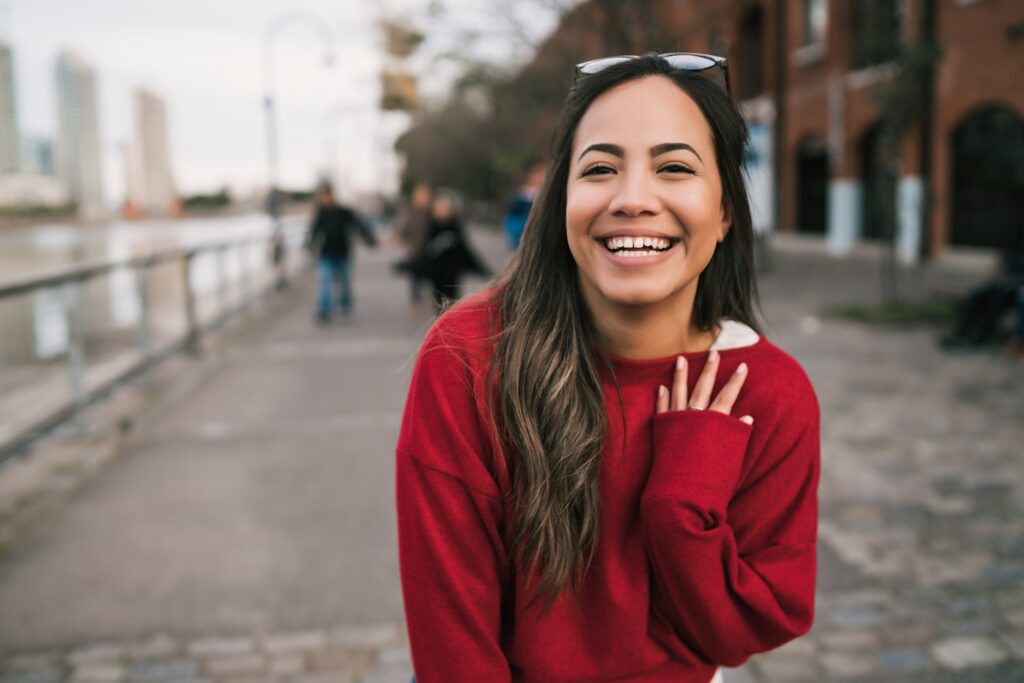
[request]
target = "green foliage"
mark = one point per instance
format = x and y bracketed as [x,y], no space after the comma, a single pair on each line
[217,200]
[299,196]
[929,311]
[38,210]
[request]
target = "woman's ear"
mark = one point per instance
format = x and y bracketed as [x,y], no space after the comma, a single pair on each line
[726,221]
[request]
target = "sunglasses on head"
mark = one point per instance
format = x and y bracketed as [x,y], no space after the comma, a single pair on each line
[712,67]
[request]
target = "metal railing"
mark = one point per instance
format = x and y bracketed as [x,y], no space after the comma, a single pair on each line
[71,283]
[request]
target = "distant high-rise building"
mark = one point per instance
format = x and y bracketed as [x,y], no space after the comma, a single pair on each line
[37,155]
[150,183]
[78,137]
[10,142]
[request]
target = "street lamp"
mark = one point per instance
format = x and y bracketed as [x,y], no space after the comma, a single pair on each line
[269,81]
[331,143]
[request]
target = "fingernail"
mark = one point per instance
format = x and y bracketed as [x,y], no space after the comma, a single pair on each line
[680,363]
[742,369]
[713,355]
[747,419]
[661,391]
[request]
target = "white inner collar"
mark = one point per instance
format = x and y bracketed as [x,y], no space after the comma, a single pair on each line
[734,335]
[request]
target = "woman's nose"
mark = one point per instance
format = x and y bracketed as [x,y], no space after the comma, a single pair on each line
[636,196]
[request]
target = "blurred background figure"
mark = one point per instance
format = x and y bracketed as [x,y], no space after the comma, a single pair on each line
[983,310]
[447,256]
[410,228]
[519,206]
[330,239]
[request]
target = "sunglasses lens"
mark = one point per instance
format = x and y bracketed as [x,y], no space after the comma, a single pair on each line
[595,65]
[685,61]
[690,62]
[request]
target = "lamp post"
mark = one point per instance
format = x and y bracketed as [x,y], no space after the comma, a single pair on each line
[331,143]
[269,81]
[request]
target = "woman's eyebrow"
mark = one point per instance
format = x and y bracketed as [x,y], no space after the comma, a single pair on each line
[664,147]
[657,150]
[603,147]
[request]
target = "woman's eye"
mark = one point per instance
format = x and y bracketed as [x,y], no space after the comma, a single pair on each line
[676,168]
[598,170]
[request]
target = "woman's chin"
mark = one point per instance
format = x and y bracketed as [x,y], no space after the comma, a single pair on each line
[635,296]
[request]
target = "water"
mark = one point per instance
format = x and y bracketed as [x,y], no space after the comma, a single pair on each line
[35,326]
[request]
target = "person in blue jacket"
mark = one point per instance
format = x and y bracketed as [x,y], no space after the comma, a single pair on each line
[519,206]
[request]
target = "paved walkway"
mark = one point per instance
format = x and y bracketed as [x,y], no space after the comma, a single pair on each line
[921,553]
[248,535]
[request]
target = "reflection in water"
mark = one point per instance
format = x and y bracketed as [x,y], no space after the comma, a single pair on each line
[124,291]
[51,327]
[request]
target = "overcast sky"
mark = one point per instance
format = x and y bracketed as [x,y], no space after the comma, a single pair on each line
[205,58]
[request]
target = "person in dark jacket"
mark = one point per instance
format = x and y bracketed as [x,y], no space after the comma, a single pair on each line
[985,305]
[410,228]
[330,238]
[446,254]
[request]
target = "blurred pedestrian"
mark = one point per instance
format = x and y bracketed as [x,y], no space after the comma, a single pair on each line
[985,305]
[410,228]
[1015,347]
[446,255]
[330,239]
[604,471]
[518,209]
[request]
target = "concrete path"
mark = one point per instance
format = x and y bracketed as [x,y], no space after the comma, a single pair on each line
[250,533]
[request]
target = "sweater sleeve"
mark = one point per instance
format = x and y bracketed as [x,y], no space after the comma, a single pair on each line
[450,518]
[733,561]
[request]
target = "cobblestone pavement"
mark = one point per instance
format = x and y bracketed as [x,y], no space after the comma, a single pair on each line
[921,553]
[354,654]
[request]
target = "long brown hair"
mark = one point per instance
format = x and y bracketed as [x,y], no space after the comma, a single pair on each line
[549,406]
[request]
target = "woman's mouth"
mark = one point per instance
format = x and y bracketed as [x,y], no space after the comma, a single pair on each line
[637,245]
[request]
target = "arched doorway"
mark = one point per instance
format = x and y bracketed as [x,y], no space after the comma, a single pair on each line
[812,177]
[878,187]
[988,179]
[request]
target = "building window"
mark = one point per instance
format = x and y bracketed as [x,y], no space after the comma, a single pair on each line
[815,22]
[876,31]
[751,54]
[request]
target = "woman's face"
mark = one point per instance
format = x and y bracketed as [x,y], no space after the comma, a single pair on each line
[644,198]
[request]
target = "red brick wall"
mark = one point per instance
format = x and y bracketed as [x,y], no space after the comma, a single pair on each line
[982,64]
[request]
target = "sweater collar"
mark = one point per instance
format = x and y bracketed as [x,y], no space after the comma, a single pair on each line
[732,335]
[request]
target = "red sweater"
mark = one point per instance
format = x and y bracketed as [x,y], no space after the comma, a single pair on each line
[706,552]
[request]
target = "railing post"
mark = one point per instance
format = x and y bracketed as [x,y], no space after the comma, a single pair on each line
[222,282]
[73,318]
[191,318]
[244,276]
[145,329]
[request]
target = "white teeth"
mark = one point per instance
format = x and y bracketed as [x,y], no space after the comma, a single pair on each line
[638,243]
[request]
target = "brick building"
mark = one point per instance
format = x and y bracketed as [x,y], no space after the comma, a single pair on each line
[808,76]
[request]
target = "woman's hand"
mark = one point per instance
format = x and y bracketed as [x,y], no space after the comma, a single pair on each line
[701,399]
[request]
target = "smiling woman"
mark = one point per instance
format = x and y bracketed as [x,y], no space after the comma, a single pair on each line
[605,472]
[647,180]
